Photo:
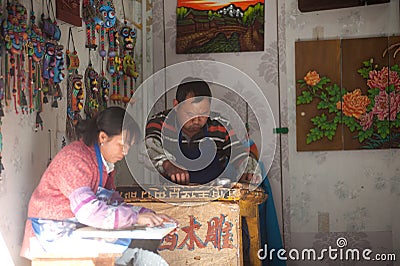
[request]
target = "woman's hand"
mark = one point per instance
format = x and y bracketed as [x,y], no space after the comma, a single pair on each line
[152,219]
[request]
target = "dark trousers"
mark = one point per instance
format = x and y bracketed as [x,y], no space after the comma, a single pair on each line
[147,244]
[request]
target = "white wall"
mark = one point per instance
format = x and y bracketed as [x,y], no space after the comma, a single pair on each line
[25,156]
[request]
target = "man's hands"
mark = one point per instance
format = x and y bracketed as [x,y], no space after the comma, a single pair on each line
[181,176]
[250,178]
[177,175]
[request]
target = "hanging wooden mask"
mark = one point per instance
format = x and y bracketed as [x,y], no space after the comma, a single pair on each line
[92,92]
[14,27]
[59,67]
[127,38]
[108,16]
[72,57]
[72,61]
[37,40]
[104,91]
[49,61]
[77,93]
[130,67]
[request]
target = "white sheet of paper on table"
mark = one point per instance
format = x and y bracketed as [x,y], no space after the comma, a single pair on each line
[137,233]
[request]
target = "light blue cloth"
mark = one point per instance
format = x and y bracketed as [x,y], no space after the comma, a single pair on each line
[269,226]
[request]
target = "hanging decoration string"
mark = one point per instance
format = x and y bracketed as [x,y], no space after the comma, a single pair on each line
[123,11]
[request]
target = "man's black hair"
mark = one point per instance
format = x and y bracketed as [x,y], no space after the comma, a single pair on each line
[192,87]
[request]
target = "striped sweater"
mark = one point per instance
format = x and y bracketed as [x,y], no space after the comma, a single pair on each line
[162,138]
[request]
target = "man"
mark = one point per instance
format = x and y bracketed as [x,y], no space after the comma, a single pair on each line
[180,141]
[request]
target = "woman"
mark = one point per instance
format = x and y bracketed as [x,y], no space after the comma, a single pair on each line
[77,190]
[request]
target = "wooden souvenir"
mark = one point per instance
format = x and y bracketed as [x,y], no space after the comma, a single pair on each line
[354,52]
[69,11]
[348,94]
[323,56]
[317,5]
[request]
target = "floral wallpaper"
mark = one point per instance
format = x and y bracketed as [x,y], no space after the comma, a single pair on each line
[356,190]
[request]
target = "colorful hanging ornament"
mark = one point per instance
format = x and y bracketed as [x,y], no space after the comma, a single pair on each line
[59,66]
[49,62]
[92,92]
[14,32]
[75,93]
[35,51]
[49,26]
[37,97]
[127,37]
[22,101]
[91,15]
[126,97]
[104,89]
[129,67]
[108,15]
[127,42]
[104,23]
[72,57]
[102,51]
[53,65]
[115,96]
[75,96]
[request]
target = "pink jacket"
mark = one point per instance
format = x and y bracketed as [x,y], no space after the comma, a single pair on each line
[67,190]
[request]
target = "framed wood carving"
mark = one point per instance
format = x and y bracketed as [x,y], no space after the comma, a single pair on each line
[69,11]
[223,26]
[317,5]
[348,94]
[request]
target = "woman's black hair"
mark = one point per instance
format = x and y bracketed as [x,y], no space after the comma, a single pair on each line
[111,121]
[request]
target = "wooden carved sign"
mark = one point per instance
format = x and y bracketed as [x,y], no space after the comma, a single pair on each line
[209,234]
[69,11]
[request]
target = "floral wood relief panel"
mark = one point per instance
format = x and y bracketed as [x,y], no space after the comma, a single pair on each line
[357,109]
[320,57]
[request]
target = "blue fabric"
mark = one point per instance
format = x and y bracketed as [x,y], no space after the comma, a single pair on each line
[269,226]
[99,163]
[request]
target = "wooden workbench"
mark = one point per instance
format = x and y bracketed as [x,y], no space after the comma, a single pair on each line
[210,221]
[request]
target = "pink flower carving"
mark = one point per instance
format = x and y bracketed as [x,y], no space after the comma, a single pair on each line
[394,105]
[381,107]
[379,79]
[366,120]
